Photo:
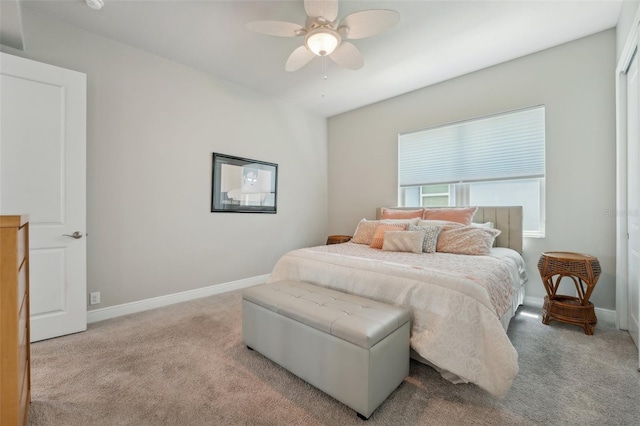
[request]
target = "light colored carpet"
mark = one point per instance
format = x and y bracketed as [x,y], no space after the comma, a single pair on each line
[185,364]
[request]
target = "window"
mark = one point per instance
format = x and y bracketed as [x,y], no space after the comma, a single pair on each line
[493,161]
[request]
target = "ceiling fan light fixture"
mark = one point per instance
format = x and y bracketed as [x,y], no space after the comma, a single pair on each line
[325,35]
[95,4]
[322,41]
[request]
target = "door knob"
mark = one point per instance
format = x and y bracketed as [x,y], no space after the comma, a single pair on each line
[77,235]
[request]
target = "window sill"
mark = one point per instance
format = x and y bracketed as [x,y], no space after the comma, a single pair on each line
[533,234]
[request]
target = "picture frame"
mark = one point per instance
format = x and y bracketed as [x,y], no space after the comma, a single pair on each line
[243,185]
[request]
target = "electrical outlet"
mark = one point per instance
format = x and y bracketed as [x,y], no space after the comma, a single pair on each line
[95,298]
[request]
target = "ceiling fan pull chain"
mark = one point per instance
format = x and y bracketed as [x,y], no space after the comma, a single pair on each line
[324,74]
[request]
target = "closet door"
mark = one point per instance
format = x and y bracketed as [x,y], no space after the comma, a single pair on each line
[43,174]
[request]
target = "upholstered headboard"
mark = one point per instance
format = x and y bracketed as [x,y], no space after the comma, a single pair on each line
[507,219]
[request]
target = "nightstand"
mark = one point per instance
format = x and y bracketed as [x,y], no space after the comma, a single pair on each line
[338,239]
[584,270]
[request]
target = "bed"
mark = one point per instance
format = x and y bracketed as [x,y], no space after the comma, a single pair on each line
[460,304]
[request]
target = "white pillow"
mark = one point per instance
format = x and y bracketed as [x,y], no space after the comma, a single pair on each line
[431,222]
[488,225]
[409,241]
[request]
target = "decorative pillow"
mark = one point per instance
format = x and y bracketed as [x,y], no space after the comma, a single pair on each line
[410,241]
[452,214]
[467,240]
[378,236]
[442,223]
[366,229]
[401,214]
[409,221]
[430,237]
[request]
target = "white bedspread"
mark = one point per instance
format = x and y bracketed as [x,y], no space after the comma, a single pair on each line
[455,301]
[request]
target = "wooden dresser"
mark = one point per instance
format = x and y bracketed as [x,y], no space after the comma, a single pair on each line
[15,354]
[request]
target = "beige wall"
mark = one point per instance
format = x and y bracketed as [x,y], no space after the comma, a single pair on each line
[152,126]
[575,82]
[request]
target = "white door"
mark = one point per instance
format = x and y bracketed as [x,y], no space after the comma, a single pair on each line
[43,173]
[633,197]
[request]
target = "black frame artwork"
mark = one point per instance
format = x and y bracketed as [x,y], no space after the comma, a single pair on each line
[242,185]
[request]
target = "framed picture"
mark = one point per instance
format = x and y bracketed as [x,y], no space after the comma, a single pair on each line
[241,185]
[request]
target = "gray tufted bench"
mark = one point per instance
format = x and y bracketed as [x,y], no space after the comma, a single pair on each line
[352,348]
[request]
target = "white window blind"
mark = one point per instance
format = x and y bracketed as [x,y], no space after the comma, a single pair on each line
[498,147]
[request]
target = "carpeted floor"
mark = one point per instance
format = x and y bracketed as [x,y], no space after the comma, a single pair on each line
[185,364]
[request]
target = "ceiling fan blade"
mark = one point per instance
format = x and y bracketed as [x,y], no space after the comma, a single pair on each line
[298,59]
[327,9]
[276,28]
[348,56]
[368,22]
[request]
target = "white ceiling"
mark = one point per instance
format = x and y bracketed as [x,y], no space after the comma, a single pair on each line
[433,41]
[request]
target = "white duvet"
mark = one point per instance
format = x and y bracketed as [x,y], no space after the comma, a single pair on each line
[455,301]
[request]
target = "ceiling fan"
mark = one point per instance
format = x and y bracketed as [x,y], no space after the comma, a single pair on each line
[325,36]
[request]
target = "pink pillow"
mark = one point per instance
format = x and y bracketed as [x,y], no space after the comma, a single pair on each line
[467,240]
[366,228]
[452,214]
[378,236]
[401,214]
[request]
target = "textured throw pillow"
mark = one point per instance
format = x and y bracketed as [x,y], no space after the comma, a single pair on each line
[467,240]
[442,223]
[452,214]
[378,236]
[410,241]
[364,231]
[431,234]
[401,214]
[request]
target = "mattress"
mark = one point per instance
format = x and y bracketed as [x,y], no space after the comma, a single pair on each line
[460,305]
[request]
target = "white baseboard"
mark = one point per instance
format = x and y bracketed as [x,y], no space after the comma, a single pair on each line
[604,315]
[170,299]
